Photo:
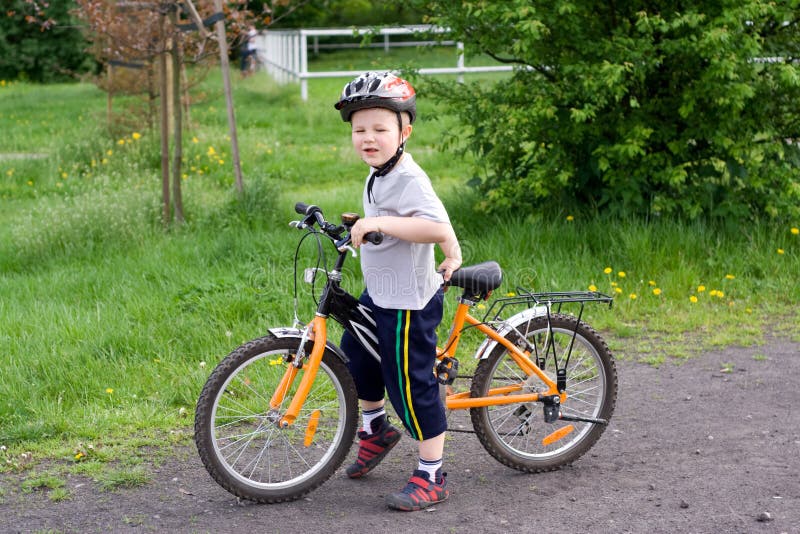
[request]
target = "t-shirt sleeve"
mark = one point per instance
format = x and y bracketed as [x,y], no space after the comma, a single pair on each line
[418,199]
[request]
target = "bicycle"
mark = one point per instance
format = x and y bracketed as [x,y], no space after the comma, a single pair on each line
[278,415]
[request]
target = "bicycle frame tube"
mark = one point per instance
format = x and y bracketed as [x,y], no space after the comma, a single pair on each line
[495,396]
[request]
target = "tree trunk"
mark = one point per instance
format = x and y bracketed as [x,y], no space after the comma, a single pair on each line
[226,78]
[177,155]
[162,63]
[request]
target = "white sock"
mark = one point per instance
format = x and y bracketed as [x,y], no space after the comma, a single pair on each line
[367,416]
[430,467]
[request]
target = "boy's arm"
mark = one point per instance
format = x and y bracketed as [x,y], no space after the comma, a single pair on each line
[416,230]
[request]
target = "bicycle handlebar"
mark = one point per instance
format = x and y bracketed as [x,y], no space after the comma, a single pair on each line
[312,211]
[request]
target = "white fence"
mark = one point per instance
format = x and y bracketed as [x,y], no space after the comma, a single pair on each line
[284,53]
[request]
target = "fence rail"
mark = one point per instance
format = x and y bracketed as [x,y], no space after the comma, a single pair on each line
[284,53]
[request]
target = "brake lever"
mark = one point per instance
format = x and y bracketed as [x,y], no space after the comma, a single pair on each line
[348,247]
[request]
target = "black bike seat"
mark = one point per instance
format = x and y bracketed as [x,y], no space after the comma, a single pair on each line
[478,278]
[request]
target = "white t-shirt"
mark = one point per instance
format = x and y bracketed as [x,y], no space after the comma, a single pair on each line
[401,274]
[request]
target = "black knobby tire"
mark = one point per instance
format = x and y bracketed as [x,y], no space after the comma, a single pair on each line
[236,433]
[513,433]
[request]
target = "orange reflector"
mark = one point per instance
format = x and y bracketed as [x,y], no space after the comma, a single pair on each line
[557,435]
[311,428]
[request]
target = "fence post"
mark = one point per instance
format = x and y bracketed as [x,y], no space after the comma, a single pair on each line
[386,43]
[303,40]
[460,63]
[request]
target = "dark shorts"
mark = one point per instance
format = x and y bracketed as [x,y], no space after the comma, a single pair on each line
[407,340]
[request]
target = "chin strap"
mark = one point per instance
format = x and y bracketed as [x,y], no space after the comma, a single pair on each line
[383,170]
[389,165]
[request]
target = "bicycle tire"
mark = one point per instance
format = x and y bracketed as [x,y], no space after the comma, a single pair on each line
[513,433]
[236,434]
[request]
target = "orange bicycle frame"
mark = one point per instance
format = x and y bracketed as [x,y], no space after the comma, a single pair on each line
[495,396]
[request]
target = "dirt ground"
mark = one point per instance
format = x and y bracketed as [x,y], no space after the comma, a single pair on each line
[711,445]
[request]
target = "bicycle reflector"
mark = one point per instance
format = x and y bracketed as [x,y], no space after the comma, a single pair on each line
[557,435]
[311,428]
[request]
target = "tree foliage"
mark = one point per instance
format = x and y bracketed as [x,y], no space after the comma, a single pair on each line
[40,42]
[654,107]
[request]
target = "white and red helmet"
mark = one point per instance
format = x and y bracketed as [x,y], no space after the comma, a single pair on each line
[377,90]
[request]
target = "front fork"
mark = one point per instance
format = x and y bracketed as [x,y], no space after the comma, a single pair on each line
[316,331]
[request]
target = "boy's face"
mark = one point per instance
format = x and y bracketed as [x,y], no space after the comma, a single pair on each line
[376,135]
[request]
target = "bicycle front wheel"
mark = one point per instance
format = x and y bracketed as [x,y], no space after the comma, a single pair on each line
[237,434]
[515,433]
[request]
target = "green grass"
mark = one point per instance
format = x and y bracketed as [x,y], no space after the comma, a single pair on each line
[110,324]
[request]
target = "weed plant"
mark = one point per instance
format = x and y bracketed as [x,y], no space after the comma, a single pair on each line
[110,323]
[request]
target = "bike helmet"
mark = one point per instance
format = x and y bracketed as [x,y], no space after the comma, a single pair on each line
[377,90]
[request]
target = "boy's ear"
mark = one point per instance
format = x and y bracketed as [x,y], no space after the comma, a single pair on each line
[407,131]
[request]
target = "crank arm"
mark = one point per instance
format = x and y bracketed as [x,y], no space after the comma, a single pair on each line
[583,419]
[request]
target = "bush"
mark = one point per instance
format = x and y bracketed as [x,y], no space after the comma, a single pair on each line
[633,106]
[29,50]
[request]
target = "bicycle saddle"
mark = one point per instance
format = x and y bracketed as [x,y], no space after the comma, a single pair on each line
[478,279]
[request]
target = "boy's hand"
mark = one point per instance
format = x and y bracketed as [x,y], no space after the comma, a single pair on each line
[362,227]
[448,266]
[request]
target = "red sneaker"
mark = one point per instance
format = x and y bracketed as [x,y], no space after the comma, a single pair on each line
[420,492]
[372,448]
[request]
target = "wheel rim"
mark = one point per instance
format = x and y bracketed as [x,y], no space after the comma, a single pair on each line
[246,440]
[520,428]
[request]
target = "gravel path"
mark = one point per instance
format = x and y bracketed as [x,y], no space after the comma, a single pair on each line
[711,445]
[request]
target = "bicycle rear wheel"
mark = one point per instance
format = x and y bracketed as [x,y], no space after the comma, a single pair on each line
[237,435]
[514,433]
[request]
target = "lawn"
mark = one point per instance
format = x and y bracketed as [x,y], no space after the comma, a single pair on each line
[110,323]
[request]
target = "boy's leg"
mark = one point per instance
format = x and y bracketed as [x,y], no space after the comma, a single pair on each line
[414,392]
[377,436]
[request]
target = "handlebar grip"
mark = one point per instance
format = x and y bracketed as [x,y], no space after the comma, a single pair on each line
[306,209]
[376,238]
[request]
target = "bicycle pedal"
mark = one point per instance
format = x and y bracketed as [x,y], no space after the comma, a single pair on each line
[447,370]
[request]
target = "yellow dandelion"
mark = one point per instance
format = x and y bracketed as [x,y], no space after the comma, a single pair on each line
[109,152]
[276,361]
[748,310]
[780,251]
[195,140]
[607,270]
[621,274]
[136,135]
[63,175]
[511,294]
[109,391]
[617,290]
[692,299]
[570,218]
[729,276]
[713,293]
[632,296]
[651,283]
[79,456]
[105,160]
[795,231]
[656,291]
[211,151]
[720,294]
[592,287]
[221,161]
[481,306]
[613,284]
[121,142]
[10,172]
[30,182]
[701,288]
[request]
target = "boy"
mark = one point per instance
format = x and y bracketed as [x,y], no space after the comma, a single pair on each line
[404,289]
